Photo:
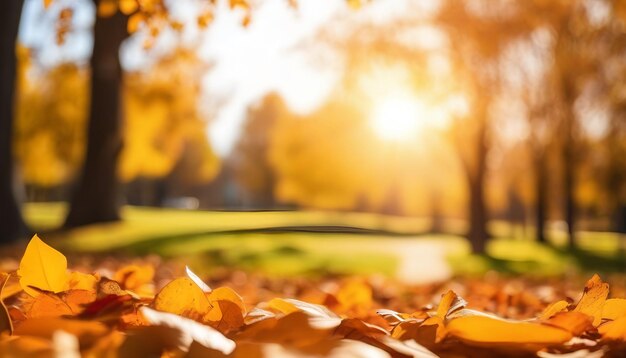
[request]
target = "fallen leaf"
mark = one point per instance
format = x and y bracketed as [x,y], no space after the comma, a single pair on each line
[48,304]
[183,297]
[5,319]
[42,267]
[574,322]
[592,301]
[485,330]
[190,330]
[614,308]
[554,308]
[614,330]
[81,281]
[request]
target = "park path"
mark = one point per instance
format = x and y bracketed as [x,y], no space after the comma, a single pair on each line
[421,261]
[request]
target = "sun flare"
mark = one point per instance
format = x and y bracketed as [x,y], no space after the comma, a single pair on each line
[397,118]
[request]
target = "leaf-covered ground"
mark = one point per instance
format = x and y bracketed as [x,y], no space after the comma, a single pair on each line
[146,307]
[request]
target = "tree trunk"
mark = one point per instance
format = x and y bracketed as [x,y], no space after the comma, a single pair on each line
[569,182]
[97,195]
[11,223]
[540,197]
[477,233]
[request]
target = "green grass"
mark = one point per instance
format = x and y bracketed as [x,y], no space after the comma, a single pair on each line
[287,243]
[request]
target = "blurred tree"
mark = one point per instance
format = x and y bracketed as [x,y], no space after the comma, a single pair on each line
[477,36]
[250,157]
[96,197]
[50,122]
[163,124]
[11,222]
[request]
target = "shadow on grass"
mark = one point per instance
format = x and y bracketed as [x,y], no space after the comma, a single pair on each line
[589,261]
[151,244]
[558,262]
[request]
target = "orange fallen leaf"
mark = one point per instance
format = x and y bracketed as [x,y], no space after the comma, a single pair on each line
[492,330]
[574,322]
[183,297]
[47,304]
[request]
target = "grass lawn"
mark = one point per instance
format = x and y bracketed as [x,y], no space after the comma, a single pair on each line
[313,242]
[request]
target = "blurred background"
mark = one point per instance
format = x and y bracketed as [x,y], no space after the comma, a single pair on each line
[414,138]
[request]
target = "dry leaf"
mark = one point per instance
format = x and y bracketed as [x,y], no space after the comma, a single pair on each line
[594,296]
[183,297]
[190,330]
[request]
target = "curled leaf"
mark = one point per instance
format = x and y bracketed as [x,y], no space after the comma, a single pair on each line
[190,331]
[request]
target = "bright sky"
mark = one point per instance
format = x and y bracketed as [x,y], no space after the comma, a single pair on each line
[275,53]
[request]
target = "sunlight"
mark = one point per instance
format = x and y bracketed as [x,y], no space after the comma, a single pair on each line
[397,118]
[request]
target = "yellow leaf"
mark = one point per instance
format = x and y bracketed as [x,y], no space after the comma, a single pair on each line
[137,278]
[574,322]
[81,281]
[5,320]
[614,330]
[127,7]
[553,309]
[428,333]
[107,8]
[485,330]
[614,308]
[450,302]
[47,3]
[42,267]
[228,310]
[183,297]
[227,294]
[594,296]
[280,305]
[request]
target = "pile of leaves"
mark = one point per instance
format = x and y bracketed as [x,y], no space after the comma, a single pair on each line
[48,311]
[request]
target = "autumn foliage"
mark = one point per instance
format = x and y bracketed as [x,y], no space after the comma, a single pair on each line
[48,310]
